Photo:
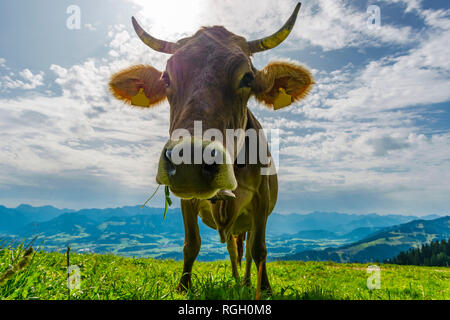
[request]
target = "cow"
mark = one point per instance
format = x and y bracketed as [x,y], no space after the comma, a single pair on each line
[209,78]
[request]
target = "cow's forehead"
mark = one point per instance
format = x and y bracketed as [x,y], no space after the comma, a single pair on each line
[210,47]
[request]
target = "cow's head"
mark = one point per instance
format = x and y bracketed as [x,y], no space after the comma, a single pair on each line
[208,78]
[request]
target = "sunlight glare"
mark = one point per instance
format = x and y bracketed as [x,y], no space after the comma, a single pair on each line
[170,18]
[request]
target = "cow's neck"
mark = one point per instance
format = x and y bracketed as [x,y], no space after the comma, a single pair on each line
[251,123]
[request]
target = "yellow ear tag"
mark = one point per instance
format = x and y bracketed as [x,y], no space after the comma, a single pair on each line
[140,99]
[283,99]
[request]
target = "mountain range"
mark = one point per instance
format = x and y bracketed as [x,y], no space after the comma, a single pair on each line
[135,231]
[383,244]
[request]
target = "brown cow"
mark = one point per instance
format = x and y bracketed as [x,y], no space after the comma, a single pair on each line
[209,78]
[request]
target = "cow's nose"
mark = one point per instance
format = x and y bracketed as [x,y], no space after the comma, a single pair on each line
[195,173]
[209,168]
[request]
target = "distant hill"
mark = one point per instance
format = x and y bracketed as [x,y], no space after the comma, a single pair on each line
[136,231]
[109,221]
[339,223]
[383,244]
[312,235]
[435,253]
[354,235]
[12,219]
[119,230]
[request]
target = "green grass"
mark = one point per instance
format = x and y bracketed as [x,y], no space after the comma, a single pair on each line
[114,277]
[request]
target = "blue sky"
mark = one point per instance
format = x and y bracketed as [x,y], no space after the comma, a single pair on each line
[373,135]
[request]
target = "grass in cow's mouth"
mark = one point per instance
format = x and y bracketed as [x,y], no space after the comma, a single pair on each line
[168,201]
[151,197]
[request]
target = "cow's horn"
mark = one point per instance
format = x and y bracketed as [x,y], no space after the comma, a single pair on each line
[155,44]
[278,37]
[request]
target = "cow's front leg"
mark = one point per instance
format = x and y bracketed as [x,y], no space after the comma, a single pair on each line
[259,254]
[232,251]
[192,242]
[258,241]
[248,261]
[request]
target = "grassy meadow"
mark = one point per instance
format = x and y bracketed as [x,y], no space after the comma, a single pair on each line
[106,276]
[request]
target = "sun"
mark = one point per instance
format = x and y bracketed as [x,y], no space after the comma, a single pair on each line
[170,19]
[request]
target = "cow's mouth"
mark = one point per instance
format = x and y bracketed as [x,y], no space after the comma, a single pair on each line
[190,193]
[216,195]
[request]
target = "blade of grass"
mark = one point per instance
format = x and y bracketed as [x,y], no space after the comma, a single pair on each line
[68,274]
[151,196]
[168,202]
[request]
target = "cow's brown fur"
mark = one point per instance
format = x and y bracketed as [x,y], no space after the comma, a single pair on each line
[240,246]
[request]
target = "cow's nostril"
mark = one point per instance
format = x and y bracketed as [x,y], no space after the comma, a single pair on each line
[210,169]
[168,155]
[214,153]
[172,171]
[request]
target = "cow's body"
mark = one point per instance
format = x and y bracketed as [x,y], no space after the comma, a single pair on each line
[256,196]
[209,79]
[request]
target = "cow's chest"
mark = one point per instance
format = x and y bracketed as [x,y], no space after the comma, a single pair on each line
[232,218]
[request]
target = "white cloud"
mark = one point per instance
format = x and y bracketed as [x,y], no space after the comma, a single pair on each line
[27,80]
[55,135]
[399,164]
[337,24]
[411,5]
[419,77]
[84,132]
[34,80]
[87,81]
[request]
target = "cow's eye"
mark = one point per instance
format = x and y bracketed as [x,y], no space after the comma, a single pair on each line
[247,80]
[166,78]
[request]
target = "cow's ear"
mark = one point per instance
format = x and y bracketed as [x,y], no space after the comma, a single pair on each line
[140,86]
[281,83]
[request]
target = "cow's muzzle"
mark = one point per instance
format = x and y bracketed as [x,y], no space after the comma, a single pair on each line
[194,168]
